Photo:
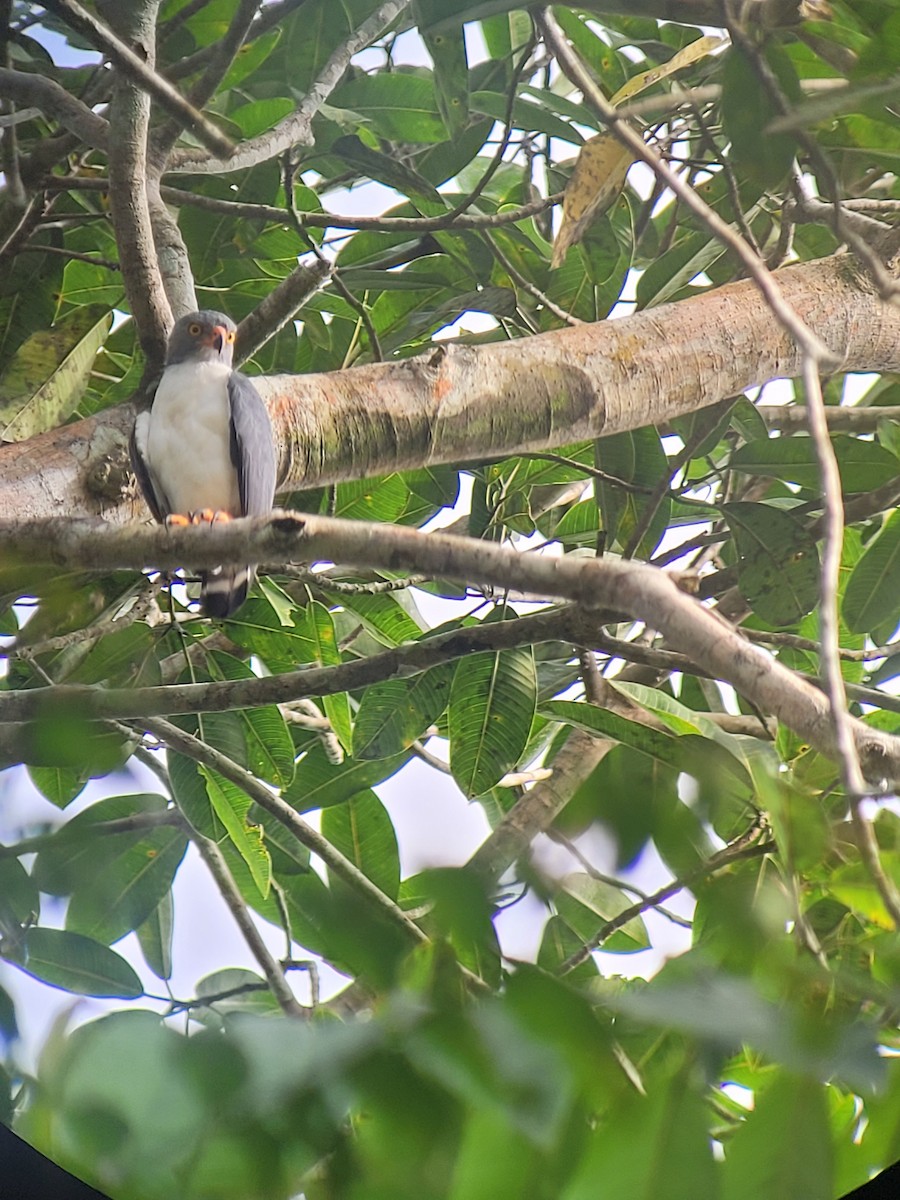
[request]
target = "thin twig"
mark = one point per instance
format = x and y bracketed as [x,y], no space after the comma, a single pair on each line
[215,863]
[746,846]
[612,880]
[532,289]
[833,542]
[323,220]
[327,268]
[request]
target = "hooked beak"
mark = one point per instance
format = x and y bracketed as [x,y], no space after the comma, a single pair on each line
[217,338]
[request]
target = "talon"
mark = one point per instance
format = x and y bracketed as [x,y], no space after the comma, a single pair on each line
[209,516]
[176,520]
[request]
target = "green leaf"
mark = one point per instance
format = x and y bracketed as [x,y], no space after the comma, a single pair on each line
[870,598]
[372,499]
[79,964]
[59,785]
[784,1146]
[269,748]
[260,115]
[384,617]
[20,901]
[320,783]
[451,69]
[748,109]
[249,58]
[723,1012]
[700,757]
[110,903]
[532,118]
[399,106]
[778,566]
[492,704]
[393,714]
[651,1147]
[558,943]
[337,710]
[636,457]
[317,626]
[155,936]
[362,830]
[81,848]
[587,904]
[43,383]
[863,465]
[231,805]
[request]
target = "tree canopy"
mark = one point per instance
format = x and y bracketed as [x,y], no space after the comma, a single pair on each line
[515,283]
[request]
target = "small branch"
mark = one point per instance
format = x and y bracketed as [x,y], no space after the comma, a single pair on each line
[56,103]
[523,282]
[833,543]
[215,863]
[613,881]
[327,268]
[129,125]
[16,194]
[141,73]
[793,417]
[596,586]
[746,846]
[810,209]
[871,858]
[74,255]
[274,312]
[135,823]
[171,253]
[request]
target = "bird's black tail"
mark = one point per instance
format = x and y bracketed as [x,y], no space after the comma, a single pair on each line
[224,590]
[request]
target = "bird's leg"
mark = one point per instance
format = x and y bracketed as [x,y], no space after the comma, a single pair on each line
[176,521]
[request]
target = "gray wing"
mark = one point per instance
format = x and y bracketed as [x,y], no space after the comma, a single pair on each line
[137,443]
[252,447]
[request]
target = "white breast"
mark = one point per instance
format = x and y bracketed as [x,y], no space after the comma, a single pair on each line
[188,448]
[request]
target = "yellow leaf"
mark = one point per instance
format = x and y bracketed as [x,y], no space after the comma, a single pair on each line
[598,178]
[689,54]
[603,161]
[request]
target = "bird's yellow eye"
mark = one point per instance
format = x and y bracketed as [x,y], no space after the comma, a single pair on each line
[194,329]
[229,336]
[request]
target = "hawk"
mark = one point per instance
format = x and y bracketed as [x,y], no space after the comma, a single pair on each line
[204,450]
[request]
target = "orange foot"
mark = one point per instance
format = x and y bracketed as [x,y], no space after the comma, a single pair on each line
[209,516]
[176,521]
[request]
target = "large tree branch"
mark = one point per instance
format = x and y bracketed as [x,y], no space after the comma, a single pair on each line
[644,593]
[461,403]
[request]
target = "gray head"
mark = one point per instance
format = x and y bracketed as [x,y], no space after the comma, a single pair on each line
[205,336]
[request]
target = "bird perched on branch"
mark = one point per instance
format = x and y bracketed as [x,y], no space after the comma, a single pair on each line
[204,450]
